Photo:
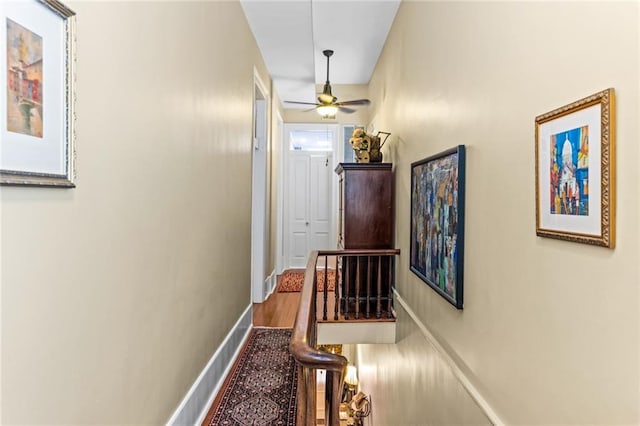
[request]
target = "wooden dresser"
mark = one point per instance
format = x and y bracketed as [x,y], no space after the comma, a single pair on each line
[366,221]
[366,206]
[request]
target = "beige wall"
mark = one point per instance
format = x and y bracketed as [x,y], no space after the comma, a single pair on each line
[550,329]
[344,92]
[411,384]
[115,294]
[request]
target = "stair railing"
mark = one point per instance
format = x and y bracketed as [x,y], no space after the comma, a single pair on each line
[309,359]
[370,273]
[363,283]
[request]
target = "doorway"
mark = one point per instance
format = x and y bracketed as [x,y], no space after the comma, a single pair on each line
[309,191]
[259,180]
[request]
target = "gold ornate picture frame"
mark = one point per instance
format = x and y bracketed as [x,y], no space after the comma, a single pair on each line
[575,171]
[37,94]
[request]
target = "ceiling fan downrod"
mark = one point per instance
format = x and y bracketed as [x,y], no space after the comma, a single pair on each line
[328,54]
[327,96]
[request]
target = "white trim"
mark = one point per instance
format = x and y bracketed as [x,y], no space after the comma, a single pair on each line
[280,196]
[196,403]
[257,80]
[260,141]
[357,332]
[457,371]
[270,284]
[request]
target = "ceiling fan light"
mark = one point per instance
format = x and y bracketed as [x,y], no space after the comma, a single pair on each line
[327,110]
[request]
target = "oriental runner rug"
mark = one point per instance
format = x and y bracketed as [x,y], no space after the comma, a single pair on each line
[292,281]
[261,389]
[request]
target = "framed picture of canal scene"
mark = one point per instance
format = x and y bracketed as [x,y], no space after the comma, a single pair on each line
[437,222]
[37,93]
[575,171]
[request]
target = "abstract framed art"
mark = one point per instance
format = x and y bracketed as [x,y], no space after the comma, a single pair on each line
[437,222]
[37,121]
[575,171]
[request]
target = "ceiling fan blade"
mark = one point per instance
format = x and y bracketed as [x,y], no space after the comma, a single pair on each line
[310,109]
[301,103]
[346,110]
[355,102]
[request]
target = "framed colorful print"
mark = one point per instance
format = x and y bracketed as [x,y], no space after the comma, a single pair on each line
[575,171]
[437,222]
[37,93]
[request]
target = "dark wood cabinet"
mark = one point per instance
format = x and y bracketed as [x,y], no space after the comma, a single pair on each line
[366,206]
[365,222]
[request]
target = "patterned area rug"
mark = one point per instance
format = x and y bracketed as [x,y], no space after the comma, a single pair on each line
[262,387]
[292,281]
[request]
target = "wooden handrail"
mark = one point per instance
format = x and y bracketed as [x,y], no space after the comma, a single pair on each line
[303,341]
[358,252]
[310,359]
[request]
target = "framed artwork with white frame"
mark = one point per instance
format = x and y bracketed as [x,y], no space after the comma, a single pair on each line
[37,70]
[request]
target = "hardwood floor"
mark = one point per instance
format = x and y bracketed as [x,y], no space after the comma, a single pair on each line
[279,310]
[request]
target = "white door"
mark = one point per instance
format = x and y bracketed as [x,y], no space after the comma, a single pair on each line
[309,199]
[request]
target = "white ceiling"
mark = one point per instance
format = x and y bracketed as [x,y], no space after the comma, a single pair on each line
[292,35]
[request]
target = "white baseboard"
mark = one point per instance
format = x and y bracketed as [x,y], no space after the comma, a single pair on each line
[270,284]
[195,405]
[448,359]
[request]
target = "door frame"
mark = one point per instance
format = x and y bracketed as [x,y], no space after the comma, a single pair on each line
[279,159]
[259,203]
[335,159]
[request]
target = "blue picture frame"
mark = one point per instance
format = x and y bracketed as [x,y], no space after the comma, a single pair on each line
[437,223]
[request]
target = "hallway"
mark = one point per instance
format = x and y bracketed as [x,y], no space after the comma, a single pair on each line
[277,312]
[125,298]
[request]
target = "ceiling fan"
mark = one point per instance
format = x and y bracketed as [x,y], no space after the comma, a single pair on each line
[327,104]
